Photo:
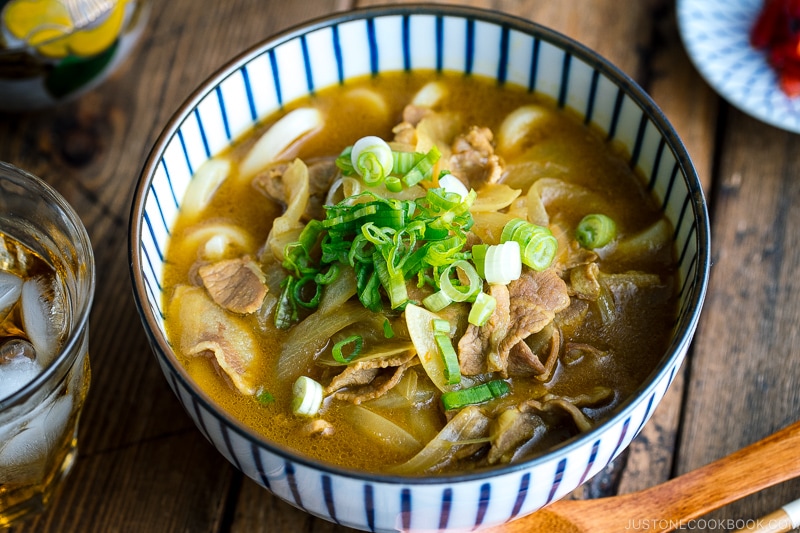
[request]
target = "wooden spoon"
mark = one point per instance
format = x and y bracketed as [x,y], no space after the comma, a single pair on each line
[672,504]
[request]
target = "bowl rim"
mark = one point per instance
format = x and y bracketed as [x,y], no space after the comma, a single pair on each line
[697,283]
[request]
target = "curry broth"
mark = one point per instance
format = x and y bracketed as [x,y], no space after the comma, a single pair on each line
[584,157]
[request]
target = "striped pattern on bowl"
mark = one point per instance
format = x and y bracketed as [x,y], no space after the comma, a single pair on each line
[330,51]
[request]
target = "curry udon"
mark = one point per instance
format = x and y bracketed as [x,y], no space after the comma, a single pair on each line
[420,273]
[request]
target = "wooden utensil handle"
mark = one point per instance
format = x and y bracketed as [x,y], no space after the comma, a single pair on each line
[763,464]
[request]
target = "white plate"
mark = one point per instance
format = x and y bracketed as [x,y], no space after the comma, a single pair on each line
[716,36]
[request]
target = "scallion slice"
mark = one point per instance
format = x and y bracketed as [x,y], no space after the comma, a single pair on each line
[300,285]
[595,231]
[503,263]
[479,258]
[475,395]
[436,301]
[461,293]
[452,371]
[388,332]
[482,309]
[423,170]
[372,159]
[306,396]
[356,340]
[537,244]
[405,161]
[393,284]
[441,325]
[540,251]
[286,312]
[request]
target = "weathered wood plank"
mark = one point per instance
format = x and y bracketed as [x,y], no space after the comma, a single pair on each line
[744,382]
[142,465]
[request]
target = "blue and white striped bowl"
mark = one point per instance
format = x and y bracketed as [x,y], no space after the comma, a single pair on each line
[330,51]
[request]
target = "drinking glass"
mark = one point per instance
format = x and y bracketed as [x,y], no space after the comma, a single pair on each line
[46,291]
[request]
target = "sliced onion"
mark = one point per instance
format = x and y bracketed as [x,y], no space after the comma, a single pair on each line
[517,125]
[278,138]
[204,184]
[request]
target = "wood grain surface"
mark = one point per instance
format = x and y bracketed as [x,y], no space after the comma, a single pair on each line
[142,464]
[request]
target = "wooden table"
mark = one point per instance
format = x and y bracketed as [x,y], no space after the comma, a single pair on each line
[144,467]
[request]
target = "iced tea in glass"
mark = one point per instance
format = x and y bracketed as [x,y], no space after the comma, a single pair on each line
[46,291]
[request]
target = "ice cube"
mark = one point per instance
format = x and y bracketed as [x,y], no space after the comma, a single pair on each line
[17,369]
[43,316]
[13,349]
[10,288]
[23,456]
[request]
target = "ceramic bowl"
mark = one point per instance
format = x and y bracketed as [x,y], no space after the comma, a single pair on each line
[329,51]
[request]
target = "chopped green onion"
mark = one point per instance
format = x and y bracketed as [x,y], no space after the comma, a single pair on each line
[393,184]
[503,263]
[479,258]
[345,162]
[482,310]
[442,199]
[452,371]
[441,326]
[405,161]
[423,170]
[510,227]
[595,231]
[460,293]
[475,395]
[367,283]
[357,342]
[388,332]
[361,251]
[264,397]
[297,293]
[393,284]
[441,253]
[328,277]
[286,312]
[372,158]
[540,251]
[306,396]
[537,244]
[436,301]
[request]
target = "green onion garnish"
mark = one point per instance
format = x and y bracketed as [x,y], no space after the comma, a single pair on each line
[460,293]
[475,395]
[436,301]
[405,161]
[387,241]
[452,371]
[388,332]
[537,244]
[441,326]
[482,309]
[423,170]
[372,159]
[393,284]
[357,343]
[264,397]
[306,396]
[286,311]
[297,293]
[595,231]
